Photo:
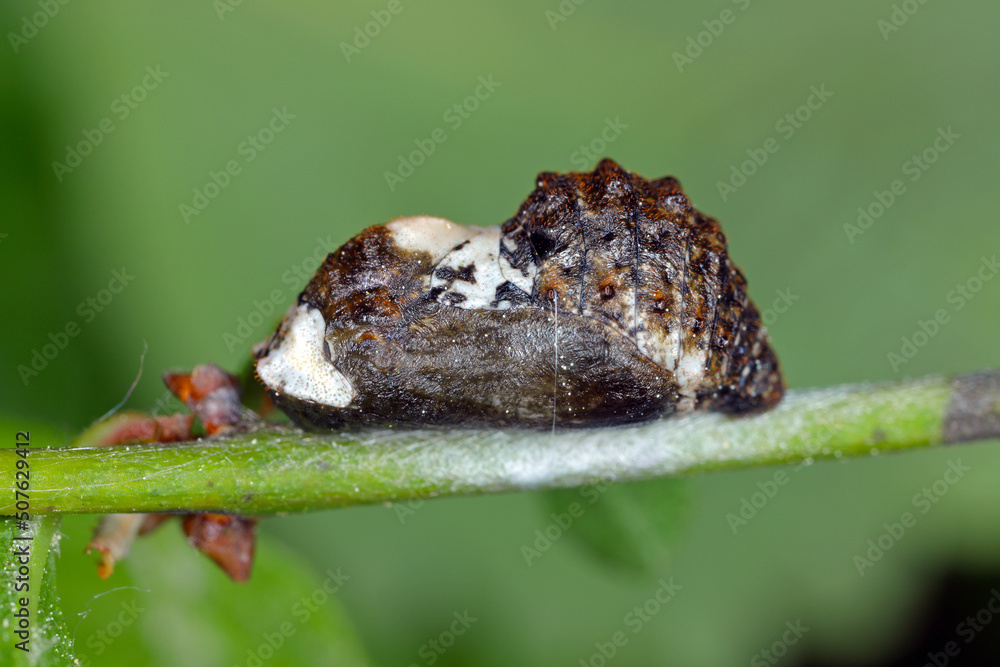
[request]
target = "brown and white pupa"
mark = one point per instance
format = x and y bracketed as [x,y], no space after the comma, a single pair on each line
[607,299]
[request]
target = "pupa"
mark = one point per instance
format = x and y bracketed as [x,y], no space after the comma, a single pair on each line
[606,299]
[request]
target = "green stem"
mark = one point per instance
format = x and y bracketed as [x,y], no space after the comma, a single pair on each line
[273,470]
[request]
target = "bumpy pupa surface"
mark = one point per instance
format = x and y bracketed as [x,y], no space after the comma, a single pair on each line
[607,299]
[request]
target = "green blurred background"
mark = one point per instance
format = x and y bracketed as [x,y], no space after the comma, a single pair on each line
[563,74]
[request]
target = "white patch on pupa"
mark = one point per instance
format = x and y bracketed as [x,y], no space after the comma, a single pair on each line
[690,371]
[660,347]
[691,362]
[632,319]
[297,367]
[424,233]
[455,246]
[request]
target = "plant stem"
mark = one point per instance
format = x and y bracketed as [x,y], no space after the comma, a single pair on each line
[278,469]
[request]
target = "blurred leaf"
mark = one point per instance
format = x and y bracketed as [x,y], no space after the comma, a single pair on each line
[631,527]
[42,435]
[46,641]
[194,615]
